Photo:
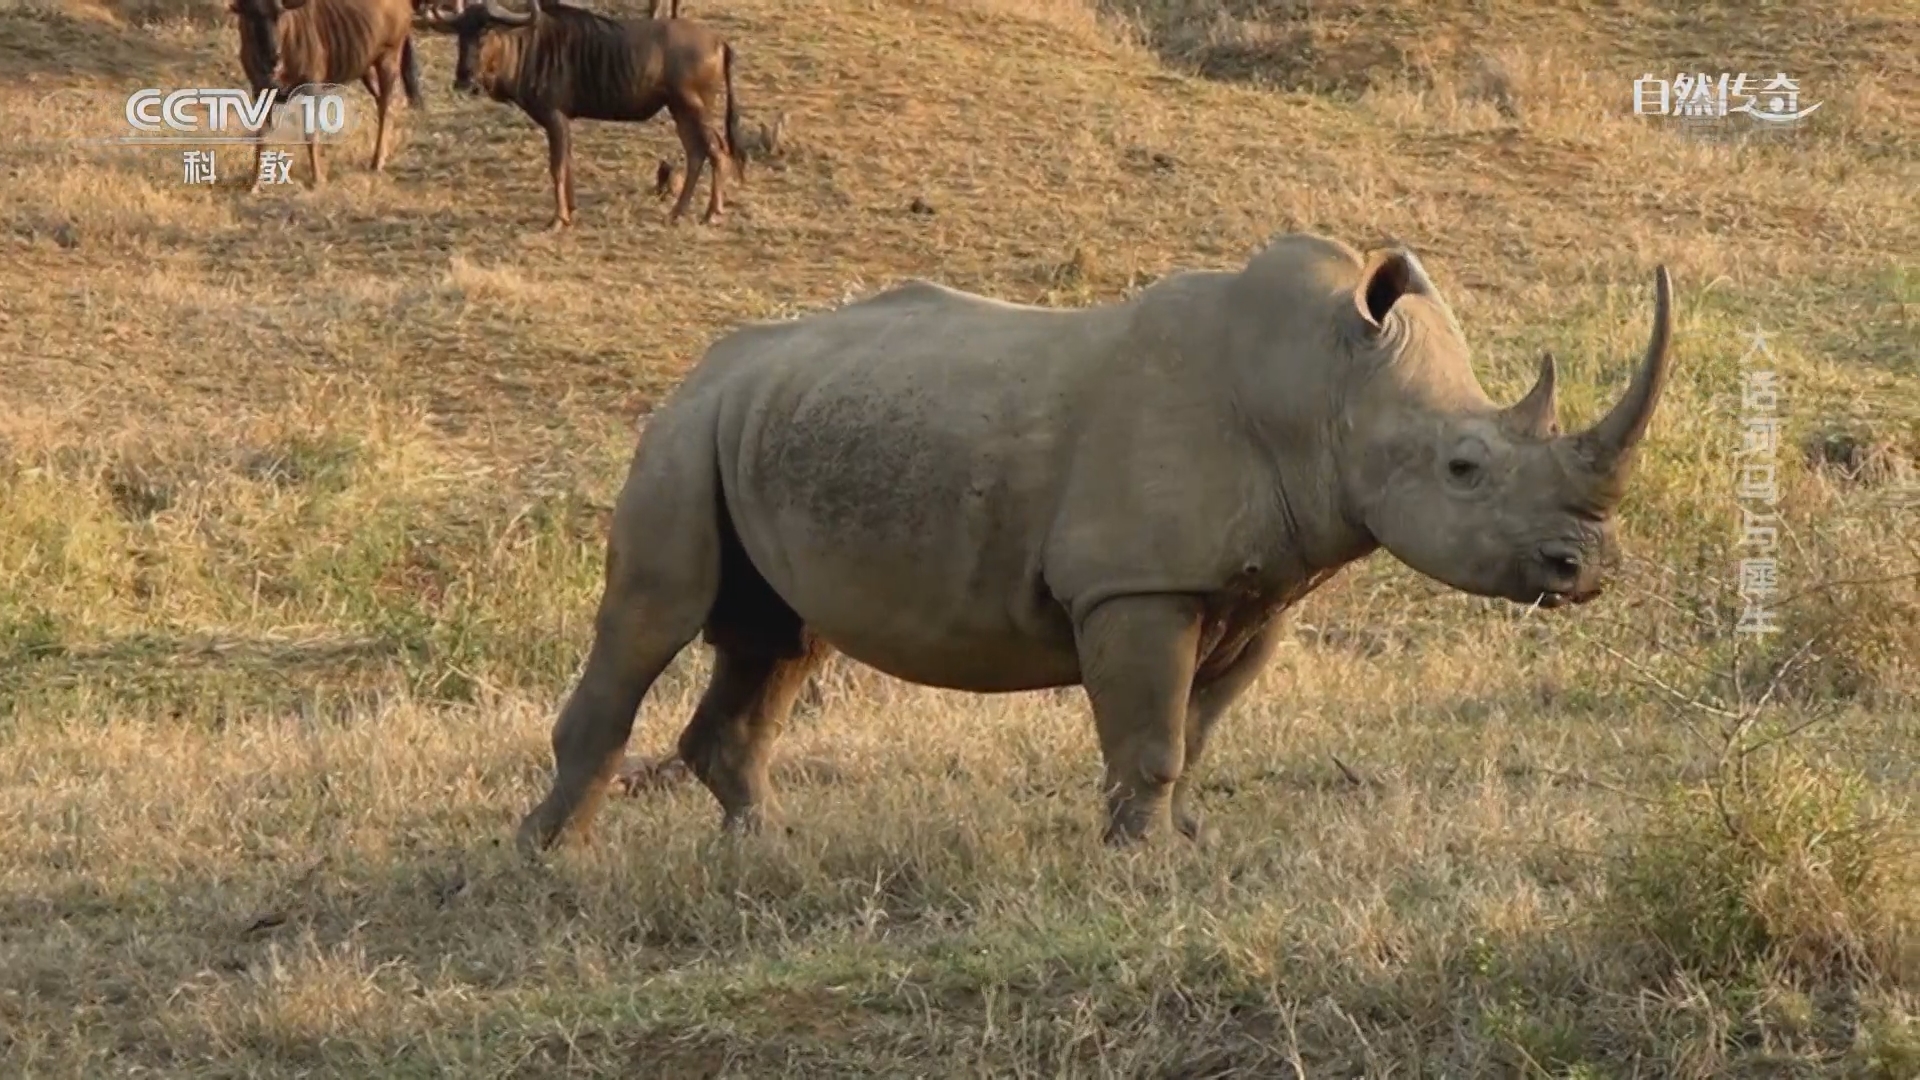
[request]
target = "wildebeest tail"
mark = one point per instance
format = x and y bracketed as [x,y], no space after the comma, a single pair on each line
[735,149]
[410,73]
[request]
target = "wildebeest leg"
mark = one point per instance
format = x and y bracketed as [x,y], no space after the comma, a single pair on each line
[694,142]
[387,75]
[313,158]
[716,149]
[260,148]
[1137,657]
[729,742]
[560,164]
[572,203]
[660,586]
[1209,702]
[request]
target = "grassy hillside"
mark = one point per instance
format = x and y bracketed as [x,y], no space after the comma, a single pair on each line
[302,500]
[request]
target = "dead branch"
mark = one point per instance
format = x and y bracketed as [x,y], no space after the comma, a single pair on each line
[1353,778]
[1657,683]
[1829,586]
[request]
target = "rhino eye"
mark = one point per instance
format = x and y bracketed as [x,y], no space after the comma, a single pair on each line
[1463,470]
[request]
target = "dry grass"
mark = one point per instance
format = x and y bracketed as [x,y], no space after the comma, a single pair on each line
[301,511]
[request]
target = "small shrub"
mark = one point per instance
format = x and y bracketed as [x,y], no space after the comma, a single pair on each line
[1783,865]
[1886,1046]
[325,462]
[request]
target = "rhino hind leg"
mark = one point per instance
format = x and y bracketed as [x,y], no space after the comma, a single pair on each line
[1137,658]
[763,656]
[729,742]
[662,580]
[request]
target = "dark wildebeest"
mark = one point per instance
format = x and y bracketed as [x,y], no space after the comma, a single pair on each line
[558,63]
[286,44]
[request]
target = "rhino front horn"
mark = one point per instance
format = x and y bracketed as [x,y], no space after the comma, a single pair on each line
[1608,445]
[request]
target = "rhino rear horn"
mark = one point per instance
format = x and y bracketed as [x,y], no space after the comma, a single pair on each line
[1608,445]
[1538,414]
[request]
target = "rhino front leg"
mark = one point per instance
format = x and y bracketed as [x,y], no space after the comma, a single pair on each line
[1211,699]
[1137,661]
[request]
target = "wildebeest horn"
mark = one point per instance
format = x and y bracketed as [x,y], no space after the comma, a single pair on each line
[435,17]
[1536,414]
[503,16]
[1608,443]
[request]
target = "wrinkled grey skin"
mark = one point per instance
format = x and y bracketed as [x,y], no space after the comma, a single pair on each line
[978,495]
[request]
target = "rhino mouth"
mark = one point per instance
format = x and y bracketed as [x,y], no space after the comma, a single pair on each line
[1550,600]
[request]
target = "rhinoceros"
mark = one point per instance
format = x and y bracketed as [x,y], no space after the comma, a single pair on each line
[979,495]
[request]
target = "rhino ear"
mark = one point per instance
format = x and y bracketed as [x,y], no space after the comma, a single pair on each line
[1389,274]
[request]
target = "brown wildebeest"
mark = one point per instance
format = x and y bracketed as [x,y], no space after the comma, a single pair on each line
[559,63]
[286,44]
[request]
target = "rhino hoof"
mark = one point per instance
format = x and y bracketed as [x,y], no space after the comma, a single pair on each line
[1193,827]
[750,821]
[533,838]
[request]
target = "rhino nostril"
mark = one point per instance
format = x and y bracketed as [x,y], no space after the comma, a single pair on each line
[1562,563]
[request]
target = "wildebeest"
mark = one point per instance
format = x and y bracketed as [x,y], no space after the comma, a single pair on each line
[559,62]
[979,495]
[285,44]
